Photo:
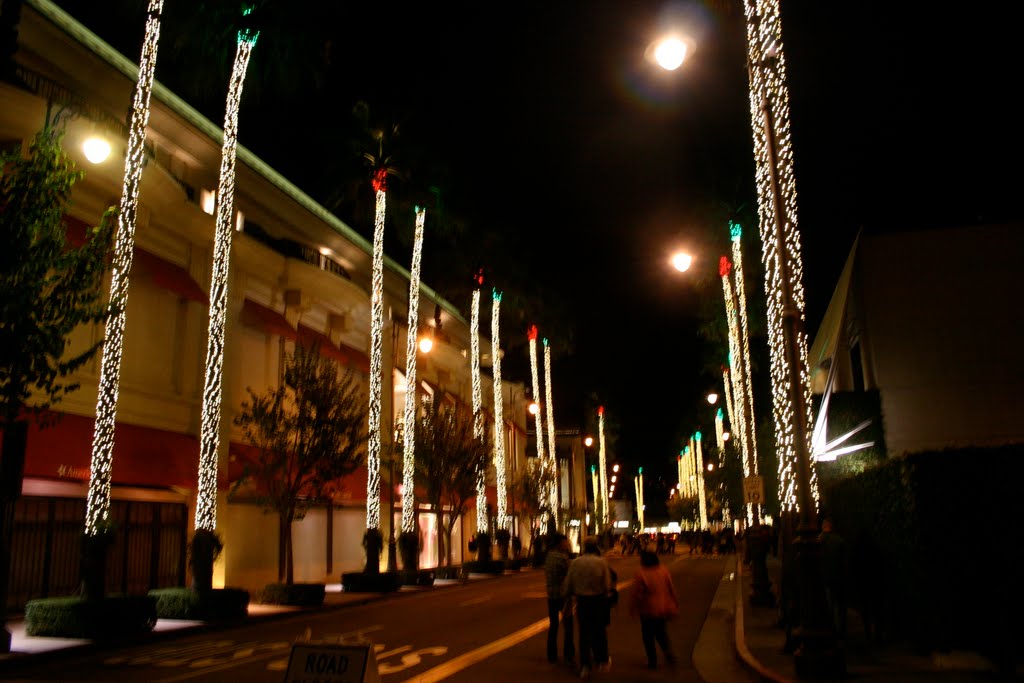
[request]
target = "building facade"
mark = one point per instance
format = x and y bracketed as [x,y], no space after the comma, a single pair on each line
[298,275]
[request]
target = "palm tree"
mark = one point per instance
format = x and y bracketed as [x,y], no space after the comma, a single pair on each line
[98,503]
[206,500]
[379,160]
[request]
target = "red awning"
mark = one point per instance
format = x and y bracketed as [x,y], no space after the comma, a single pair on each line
[169,276]
[266,320]
[321,341]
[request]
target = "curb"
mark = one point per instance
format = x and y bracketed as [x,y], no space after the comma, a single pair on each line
[742,650]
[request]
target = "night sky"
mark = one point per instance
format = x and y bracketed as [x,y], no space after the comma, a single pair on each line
[593,165]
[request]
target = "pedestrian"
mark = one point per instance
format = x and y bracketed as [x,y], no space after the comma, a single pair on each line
[589,582]
[654,601]
[556,567]
[834,569]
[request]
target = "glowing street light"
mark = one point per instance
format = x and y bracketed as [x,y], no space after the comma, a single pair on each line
[426,344]
[588,442]
[534,407]
[712,398]
[96,149]
[682,261]
[669,52]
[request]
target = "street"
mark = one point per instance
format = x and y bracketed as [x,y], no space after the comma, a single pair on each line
[491,627]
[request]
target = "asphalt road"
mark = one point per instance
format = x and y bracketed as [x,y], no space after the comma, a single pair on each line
[492,630]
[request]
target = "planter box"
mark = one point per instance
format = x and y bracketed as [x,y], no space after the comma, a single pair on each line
[422,577]
[361,582]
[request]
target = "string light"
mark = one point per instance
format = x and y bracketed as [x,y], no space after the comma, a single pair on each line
[411,348]
[206,496]
[376,351]
[638,484]
[532,334]
[552,459]
[477,398]
[602,465]
[781,249]
[597,494]
[701,496]
[720,431]
[97,506]
[749,426]
[499,420]
[727,381]
[739,377]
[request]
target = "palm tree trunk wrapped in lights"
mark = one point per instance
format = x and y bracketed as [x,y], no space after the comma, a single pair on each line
[477,398]
[737,373]
[373,539]
[552,455]
[499,419]
[602,468]
[409,445]
[781,253]
[532,334]
[98,501]
[206,498]
[701,495]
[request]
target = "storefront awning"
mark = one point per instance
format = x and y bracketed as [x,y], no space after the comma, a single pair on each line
[266,319]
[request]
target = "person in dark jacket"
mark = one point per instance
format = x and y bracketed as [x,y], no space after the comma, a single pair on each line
[556,566]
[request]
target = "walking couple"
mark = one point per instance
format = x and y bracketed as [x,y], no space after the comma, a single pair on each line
[590,583]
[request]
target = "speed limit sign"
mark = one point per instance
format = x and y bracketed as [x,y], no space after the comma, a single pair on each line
[753,490]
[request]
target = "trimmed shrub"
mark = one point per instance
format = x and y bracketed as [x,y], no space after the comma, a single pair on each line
[420,577]
[213,605]
[297,594]
[450,573]
[379,582]
[115,616]
[486,567]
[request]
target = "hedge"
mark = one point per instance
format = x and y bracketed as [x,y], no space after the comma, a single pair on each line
[111,617]
[298,594]
[214,605]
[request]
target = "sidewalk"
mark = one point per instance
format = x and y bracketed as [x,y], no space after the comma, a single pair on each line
[759,643]
[26,647]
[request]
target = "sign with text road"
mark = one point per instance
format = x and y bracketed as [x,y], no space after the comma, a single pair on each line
[311,663]
[753,490]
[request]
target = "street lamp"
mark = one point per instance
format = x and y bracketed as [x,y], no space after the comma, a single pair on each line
[669,52]
[682,261]
[96,149]
[588,442]
[712,398]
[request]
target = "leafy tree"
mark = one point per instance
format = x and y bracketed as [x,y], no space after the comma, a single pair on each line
[309,433]
[682,509]
[50,288]
[447,459]
[529,488]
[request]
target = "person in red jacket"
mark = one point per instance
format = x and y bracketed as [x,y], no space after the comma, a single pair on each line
[654,601]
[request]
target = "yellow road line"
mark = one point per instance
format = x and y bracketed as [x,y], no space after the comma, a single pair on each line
[468,659]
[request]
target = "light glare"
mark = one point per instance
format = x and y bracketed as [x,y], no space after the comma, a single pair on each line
[682,262]
[96,149]
[670,53]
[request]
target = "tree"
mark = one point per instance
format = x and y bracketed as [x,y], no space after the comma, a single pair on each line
[50,288]
[447,459]
[530,489]
[309,432]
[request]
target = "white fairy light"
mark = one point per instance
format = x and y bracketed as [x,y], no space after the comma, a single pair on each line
[532,334]
[602,466]
[499,419]
[727,381]
[411,348]
[701,497]
[739,287]
[209,445]
[97,506]
[478,416]
[781,249]
[376,351]
[552,455]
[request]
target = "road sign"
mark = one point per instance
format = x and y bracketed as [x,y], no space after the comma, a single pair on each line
[753,490]
[314,663]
